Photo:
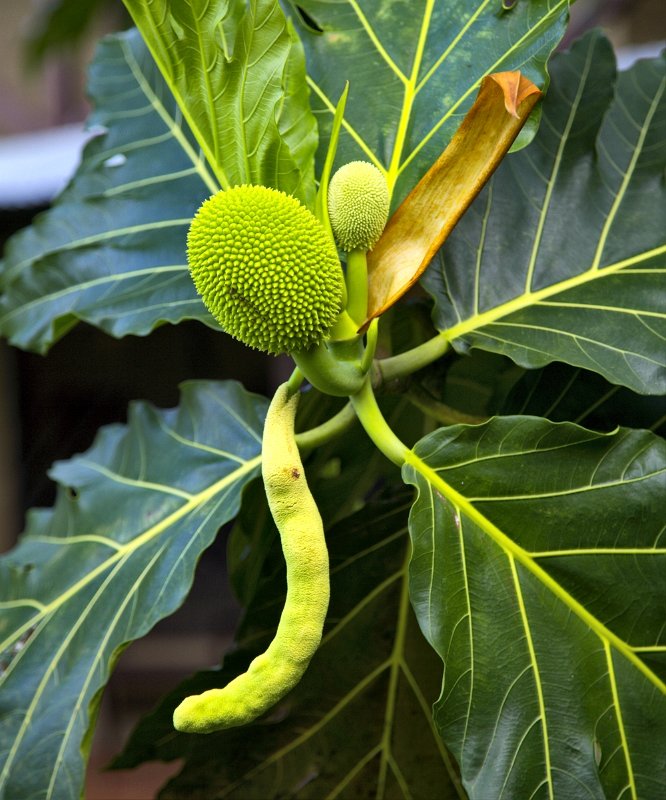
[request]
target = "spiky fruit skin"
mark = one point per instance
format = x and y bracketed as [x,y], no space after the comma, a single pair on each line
[265,268]
[358,205]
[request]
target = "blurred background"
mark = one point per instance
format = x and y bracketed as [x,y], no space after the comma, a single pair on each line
[51,406]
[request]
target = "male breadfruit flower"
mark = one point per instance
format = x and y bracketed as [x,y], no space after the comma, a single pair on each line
[358,205]
[265,268]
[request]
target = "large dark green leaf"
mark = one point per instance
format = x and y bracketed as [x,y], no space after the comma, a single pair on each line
[562,256]
[414,69]
[112,250]
[465,389]
[563,393]
[539,576]
[115,555]
[359,724]
[237,69]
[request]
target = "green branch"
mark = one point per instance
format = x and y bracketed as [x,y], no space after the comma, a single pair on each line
[357,285]
[377,428]
[399,366]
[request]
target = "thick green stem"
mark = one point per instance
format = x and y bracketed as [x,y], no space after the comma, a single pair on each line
[412,360]
[357,286]
[377,428]
[295,380]
[333,367]
[343,328]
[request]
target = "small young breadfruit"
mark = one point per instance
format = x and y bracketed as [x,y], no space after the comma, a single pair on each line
[358,205]
[265,268]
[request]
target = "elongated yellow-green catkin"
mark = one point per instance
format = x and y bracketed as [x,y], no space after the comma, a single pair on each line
[276,671]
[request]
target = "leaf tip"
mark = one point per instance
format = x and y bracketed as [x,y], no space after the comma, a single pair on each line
[516,88]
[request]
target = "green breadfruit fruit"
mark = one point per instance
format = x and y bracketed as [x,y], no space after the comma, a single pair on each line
[265,268]
[358,205]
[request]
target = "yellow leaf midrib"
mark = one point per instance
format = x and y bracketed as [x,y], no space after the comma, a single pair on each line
[202,139]
[409,96]
[116,560]
[101,651]
[536,674]
[132,546]
[620,719]
[557,9]
[526,560]
[175,129]
[515,553]
[529,299]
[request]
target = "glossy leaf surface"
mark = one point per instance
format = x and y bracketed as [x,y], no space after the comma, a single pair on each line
[414,70]
[539,576]
[116,554]
[359,724]
[562,256]
[111,251]
[237,71]
[560,392]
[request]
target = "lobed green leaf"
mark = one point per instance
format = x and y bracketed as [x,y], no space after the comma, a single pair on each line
[359,723]
[539,576]
[111,251]
[237,70]
[562,256]
[116,554]
[414,69]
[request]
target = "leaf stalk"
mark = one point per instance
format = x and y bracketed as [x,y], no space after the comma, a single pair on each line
[370,416]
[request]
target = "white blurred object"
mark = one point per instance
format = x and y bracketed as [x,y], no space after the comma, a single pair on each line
[629,54]
[35,167]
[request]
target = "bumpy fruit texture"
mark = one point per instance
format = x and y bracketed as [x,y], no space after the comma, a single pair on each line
[358,205]
[265,268]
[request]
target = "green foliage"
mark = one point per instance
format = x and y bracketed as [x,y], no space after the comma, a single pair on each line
[560,392]
[359,722]
[111,252]
[116,554]
[583,231]
[414,69]
[233,55]
[526,547]
[527,590]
